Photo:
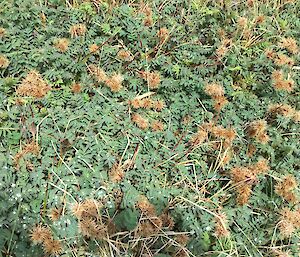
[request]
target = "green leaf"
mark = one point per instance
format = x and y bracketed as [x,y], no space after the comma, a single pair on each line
[127,219]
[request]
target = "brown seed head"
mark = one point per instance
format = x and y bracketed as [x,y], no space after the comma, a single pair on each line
[4,62]
[288,222]
[290,44]
[221,51]
[277,75]
[125,55]
[182,239]
[163,34]
[283,59]
[33,85]
[243,194]
[76,88]
[158,105]
[269,53]
[157,126]
[219,102]
[147,10]
[260,19]
[62,44]
[93,48]
[167,220]
[242,22]
[145,206]
[281,109]
[115,82]
[52,247]
[77,30]
[150,227]
[286,85]
[116,173]
[98,73]
[141,122]
[221,229]
[40,233]
[55,214]
[214,90]
[2,32]
[92,229]
[199,137]
[260,167]
[153,78]
[257,129]
[296,116]
[285,187]
[31,147]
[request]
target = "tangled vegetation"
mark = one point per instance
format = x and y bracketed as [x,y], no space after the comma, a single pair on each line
[160,128]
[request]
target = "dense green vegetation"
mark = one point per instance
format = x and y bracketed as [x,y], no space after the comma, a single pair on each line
[161,128]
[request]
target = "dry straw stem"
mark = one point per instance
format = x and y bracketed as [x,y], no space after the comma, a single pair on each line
[279,253]
[218,217]
[250,241]
[62,160]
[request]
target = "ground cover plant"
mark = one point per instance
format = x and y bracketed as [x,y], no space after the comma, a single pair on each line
[160,128]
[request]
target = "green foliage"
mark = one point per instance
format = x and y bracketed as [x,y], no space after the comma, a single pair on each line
[81,136]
